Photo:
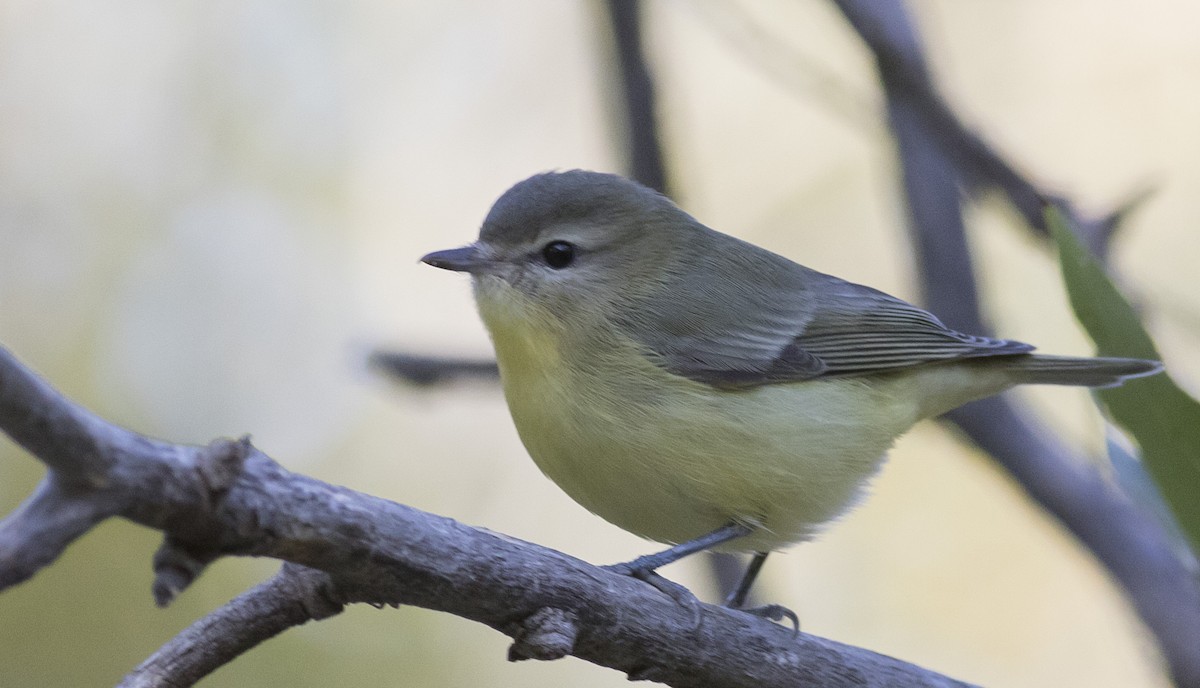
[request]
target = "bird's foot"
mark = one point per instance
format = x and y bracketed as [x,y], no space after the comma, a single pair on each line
[644,568]
[681,595]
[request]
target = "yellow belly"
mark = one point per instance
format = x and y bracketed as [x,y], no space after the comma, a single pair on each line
[671,459]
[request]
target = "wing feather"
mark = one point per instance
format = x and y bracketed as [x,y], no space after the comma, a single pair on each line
[750,317]
[870,332]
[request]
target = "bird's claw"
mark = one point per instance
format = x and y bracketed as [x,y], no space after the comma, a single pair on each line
[774,612]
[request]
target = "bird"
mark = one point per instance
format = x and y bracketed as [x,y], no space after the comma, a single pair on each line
[703,392]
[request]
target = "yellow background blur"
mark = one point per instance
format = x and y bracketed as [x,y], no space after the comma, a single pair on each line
[210,211]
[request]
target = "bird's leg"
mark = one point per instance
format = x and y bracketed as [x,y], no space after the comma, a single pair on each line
[737,598]
[648,563]
[644,568]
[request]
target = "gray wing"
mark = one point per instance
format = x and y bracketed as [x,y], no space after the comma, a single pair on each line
[884,333]
[788,323]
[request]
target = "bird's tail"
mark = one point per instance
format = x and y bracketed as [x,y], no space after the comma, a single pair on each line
[1037,369]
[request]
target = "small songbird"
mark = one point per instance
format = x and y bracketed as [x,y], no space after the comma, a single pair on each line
[701,391]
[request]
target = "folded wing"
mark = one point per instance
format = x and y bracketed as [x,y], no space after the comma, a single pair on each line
[801,326]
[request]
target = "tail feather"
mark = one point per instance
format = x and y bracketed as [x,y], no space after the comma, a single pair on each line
[1038,369]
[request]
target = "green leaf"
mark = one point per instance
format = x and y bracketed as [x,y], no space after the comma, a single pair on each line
[1160,416]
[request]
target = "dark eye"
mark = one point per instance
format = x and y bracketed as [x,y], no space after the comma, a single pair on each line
[558,254]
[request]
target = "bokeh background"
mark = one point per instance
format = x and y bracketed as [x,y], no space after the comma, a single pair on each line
[211,211]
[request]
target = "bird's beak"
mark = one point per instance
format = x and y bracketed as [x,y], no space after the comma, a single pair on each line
[465,259]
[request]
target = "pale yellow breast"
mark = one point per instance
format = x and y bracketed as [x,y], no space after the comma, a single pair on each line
[670,459]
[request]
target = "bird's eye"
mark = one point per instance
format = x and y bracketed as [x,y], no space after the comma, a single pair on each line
[558,254]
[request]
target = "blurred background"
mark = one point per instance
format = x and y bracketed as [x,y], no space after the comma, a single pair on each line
[210,212]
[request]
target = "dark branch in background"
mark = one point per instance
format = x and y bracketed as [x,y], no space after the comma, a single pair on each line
[937,153]
[228,498]
[643,147]
[888,32]
[427,371]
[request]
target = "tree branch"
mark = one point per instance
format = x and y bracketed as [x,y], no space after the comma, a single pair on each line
[936,152]
[230,499]
[887,30]
[38,531]
[294,596]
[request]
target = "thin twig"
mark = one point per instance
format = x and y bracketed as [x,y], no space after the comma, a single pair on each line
[294,596]
[790,64]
